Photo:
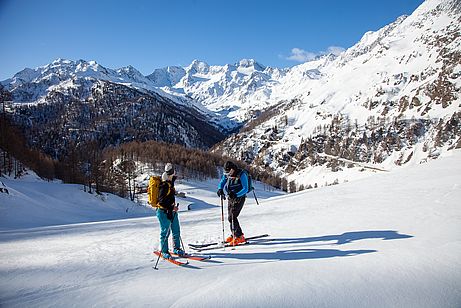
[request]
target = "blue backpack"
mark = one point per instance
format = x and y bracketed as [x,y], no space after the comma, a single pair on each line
[250,184]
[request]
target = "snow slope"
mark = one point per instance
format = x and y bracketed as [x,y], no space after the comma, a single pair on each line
[35,203]
[392,240]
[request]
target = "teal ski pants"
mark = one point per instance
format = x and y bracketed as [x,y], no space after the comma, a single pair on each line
[165,224]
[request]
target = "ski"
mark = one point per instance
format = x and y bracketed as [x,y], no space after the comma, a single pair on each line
[199,247]
[219,243]
[191,257]
[171,260]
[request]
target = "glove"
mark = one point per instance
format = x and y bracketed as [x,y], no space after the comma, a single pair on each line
[232,195]
[169,214]
[221,194]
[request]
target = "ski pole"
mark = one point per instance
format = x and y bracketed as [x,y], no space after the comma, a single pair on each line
[160,252]
[232,225]
[180,237]
[255,198]
[182,244]
[222,220]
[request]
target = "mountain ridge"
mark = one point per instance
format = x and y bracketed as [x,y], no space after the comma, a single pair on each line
[391,99]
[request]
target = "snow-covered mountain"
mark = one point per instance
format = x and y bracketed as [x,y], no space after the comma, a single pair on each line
[32,85]
[237,91]
[228,95]
[392,99]
[221,96]
[73,102]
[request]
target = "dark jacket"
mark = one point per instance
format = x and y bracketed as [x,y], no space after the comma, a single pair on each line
[166,194]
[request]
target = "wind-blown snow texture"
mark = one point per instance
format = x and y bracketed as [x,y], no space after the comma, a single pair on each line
[392,240]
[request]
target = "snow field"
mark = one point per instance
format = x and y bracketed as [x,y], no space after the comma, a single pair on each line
[391,240]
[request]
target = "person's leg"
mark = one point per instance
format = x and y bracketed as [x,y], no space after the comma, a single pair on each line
[176,231]
[164,230]
[235,207]
[230,216]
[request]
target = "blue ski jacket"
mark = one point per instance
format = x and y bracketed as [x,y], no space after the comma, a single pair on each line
[237,184]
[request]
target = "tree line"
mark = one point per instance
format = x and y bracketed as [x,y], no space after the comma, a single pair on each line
[112,169]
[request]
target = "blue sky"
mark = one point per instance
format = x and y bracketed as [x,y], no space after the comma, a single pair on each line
[158,33]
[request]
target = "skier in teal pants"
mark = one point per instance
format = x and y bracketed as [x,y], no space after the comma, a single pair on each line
[167,213]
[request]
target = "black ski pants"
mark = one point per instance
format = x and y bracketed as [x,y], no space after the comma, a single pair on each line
[234,206]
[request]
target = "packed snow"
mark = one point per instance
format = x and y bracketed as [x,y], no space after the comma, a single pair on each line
[390,240]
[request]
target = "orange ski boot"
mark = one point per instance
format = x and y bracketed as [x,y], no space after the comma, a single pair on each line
[238,241]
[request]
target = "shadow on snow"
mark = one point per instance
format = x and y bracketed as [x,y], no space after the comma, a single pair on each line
[340,239]
[311,253]
[295,254]
[196,204]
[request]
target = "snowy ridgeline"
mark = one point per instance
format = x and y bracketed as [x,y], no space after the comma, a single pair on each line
[391,240]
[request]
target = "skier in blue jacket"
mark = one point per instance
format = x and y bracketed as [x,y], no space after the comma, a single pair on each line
[234,182]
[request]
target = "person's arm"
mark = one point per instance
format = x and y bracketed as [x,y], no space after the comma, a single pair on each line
[222,182]
[244,181]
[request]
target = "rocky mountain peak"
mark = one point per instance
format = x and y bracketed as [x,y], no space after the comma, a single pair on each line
[198,67]
[250,63]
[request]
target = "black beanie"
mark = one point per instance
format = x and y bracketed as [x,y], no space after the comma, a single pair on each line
[229,165]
